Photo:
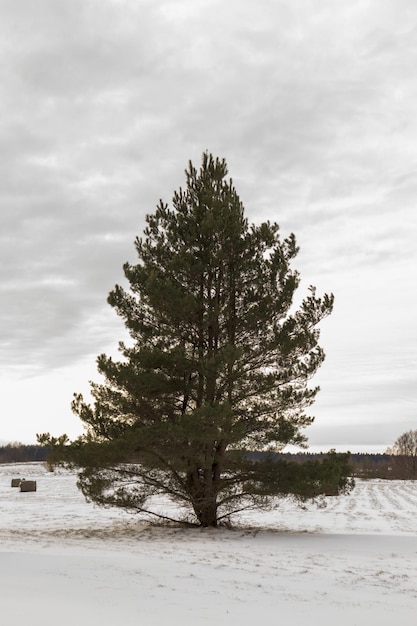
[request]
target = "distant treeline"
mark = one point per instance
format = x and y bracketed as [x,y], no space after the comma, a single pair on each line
[386,466]
[364,465]
[22,453]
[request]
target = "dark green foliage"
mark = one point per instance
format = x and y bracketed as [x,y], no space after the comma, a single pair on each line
[328,476]
[218,362]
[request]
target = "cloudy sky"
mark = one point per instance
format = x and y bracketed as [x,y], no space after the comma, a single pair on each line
[313,105]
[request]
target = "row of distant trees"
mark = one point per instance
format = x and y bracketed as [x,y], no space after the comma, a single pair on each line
[397,463]
[404,454]
[385,466]
[17,452]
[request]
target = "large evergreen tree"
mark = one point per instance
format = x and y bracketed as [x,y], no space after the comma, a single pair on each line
[218,366]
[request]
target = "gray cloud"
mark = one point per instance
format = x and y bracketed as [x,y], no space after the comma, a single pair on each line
[103,103]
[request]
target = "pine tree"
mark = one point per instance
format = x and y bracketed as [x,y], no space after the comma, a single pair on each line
[218,366]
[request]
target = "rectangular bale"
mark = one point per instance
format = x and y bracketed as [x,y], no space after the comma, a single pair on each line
[28,485]
[16,482]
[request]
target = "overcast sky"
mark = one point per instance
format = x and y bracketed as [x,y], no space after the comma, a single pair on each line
[313,105]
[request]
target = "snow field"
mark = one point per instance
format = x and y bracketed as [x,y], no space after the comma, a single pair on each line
[354,560]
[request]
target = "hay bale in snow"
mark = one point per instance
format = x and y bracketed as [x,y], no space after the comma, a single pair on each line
[28,485]
[16,482]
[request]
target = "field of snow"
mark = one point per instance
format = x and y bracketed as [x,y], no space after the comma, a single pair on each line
[64,561]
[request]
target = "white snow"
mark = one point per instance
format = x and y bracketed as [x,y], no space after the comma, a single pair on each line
[64,561]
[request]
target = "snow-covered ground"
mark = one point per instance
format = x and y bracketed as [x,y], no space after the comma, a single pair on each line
[64,561]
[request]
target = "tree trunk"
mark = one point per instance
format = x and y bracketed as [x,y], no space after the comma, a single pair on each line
[203,497]
[206,512]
